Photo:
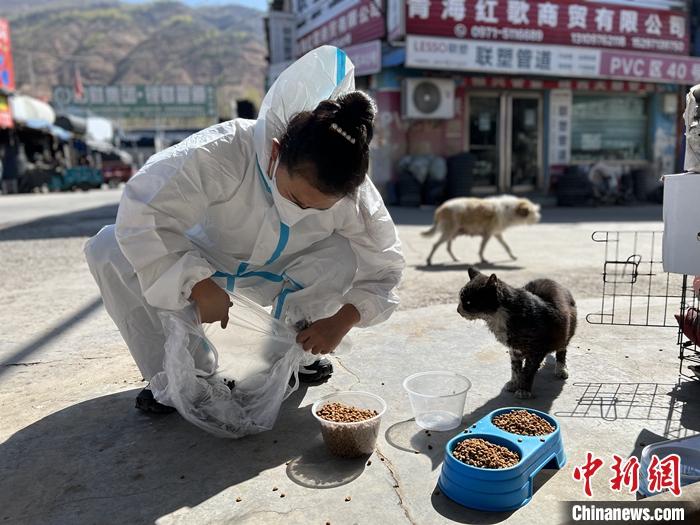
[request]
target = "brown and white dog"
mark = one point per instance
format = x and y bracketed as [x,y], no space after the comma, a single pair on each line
[488,217]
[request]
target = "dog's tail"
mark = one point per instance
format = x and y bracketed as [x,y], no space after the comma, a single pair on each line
[436,223]
[430,232]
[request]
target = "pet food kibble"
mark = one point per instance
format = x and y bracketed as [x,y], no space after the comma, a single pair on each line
[523,423]
[341,413]
[350,431]
[483,454]
[238,499]
[348,498]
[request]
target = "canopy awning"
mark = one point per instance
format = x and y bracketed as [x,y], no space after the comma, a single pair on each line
[99,129]
[77,125]
[60,133]
[31,111]
[107,148]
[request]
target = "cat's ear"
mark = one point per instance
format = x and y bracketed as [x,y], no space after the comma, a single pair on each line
[493,280]
[473,272]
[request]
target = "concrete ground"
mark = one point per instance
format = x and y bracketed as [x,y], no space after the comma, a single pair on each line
[74,450]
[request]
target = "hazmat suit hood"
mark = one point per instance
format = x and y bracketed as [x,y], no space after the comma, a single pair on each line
[324,73]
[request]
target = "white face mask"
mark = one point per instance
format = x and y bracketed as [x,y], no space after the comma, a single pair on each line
[289,212]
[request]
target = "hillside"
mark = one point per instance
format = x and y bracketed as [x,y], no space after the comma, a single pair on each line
[122,43]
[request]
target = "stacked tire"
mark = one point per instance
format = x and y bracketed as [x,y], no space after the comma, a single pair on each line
[574,188]
[459,175]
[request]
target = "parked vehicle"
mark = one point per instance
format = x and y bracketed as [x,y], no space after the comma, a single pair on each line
[116,167]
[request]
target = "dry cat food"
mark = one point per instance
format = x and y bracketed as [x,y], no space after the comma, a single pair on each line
[340,413]
[348,440]
[523,423]
[481,453]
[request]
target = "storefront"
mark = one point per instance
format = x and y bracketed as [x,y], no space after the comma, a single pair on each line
[529,95]
[527,88]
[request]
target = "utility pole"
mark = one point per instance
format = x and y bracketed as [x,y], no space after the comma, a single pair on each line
[30,63]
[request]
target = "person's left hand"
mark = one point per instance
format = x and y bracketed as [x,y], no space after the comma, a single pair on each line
[323,336]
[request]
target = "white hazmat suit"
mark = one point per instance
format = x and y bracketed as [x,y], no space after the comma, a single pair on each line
[206,208]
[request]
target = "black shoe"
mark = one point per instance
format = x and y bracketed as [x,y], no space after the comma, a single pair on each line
[147,403]
[316,372]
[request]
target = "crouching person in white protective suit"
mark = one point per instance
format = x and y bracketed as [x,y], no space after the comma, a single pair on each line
[279,210]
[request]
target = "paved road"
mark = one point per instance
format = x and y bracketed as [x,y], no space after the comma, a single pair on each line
[24,208]
[77,451]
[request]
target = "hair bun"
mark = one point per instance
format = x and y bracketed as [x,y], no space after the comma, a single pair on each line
[357,111]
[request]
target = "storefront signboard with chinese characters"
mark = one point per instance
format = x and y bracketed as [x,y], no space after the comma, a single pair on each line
[395,19]
[367,57]
[140,101]
[453,54]
[362,21]
[560,106]
[565,22]
[7,72]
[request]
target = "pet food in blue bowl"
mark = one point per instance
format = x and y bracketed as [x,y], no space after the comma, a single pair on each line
[497,466]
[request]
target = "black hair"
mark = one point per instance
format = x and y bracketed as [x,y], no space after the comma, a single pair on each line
[333,140]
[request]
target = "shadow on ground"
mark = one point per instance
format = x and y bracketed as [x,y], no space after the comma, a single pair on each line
[20,356]
[84,223]
[408,437]
[463,267]
[676,405]
[102,461]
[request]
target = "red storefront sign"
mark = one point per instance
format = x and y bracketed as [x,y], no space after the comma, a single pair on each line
[511,83]
[678,70]
[564,22]
[7,72]
[360,23]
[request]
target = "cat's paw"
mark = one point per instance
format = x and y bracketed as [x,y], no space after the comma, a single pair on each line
[511,386]
[523,394]
[561,371]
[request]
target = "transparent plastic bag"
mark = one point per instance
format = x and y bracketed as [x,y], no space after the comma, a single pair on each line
[256,354]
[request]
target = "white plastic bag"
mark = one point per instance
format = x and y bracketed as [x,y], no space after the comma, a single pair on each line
[256,351]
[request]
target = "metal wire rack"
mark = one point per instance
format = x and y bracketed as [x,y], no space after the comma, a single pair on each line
[689,354]
[638,292]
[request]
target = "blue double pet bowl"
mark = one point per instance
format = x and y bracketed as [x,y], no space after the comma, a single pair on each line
[507,488]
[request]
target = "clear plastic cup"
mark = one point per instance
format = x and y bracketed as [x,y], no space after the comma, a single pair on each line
[351,440]
[437,398]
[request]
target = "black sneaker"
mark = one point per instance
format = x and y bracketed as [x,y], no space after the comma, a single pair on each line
[316,372]
[147,403]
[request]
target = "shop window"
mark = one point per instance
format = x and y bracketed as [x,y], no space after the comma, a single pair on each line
[609,128]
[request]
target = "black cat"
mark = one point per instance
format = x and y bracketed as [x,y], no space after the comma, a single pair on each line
[532,321]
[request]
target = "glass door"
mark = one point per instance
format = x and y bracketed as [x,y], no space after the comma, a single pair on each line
[485,141]
[524,149]
[506,138]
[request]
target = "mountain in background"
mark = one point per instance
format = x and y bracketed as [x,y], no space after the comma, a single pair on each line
[255,4]
[163,42]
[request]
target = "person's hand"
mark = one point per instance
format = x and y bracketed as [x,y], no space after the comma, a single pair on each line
[323,336]
[212,302]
